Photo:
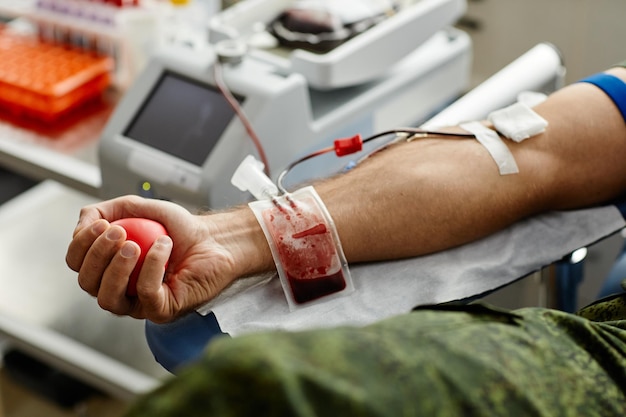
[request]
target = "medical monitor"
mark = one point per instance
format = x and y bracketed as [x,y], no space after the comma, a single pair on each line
[181,117]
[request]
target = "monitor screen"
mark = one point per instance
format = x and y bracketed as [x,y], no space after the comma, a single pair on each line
[182,117]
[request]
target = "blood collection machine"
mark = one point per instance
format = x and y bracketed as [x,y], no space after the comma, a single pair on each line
[174,135]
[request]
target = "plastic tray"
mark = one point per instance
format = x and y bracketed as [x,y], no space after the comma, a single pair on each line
[46,81]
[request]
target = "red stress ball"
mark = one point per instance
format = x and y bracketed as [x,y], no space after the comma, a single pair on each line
[143,232]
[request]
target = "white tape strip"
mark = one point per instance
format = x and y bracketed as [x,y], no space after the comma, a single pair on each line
[494,145]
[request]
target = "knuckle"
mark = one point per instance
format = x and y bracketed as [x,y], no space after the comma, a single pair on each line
[106,304]
[87,286]
[153,257]
[71,263]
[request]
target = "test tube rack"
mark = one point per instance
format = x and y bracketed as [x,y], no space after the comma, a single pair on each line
[120,29]
[44,81]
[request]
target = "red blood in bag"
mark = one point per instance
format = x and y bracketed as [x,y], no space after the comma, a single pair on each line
[143,232]
[307,252]
[309,289]
[315,230]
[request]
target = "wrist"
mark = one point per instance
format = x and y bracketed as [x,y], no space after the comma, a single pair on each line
[240,234]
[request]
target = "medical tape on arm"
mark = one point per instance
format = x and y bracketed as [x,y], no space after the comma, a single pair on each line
[494,145]
[612,86]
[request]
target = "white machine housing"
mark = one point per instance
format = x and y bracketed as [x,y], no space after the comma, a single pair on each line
[137,150]
[363,58]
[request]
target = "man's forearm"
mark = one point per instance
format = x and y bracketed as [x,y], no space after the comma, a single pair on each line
[433,194]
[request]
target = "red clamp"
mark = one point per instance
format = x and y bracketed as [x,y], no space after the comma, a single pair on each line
[346,146]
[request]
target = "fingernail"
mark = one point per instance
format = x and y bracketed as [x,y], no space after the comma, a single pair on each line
[128,250]
[164,242]
[114,233]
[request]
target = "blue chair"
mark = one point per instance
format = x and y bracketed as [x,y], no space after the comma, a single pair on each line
[569,273]
[616,276]
[181,342]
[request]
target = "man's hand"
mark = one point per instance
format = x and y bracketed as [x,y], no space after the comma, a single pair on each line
[206,253]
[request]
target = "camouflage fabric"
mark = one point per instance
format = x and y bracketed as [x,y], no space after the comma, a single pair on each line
[447,360]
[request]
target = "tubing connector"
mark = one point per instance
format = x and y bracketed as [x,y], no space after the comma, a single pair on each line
[249,176]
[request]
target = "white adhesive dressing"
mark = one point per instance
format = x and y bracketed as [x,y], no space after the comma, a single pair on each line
[518,122]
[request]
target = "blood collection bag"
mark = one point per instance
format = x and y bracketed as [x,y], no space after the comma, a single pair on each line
[305,246]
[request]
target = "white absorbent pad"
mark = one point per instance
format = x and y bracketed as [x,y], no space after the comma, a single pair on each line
[385,289]
[518,122]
